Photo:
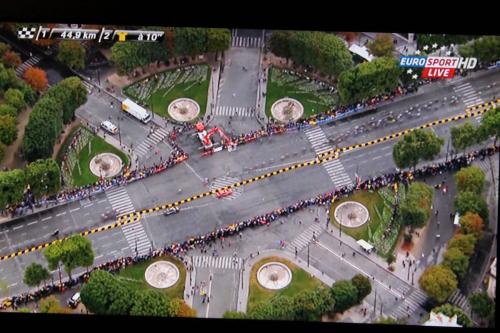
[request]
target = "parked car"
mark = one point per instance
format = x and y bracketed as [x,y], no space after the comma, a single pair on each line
[223,193]
[109,127]
[74,300]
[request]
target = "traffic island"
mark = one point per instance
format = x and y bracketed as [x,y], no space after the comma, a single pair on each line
[162,91]
[165,274]
[314,96]
[85,157]
[287,109]
[273,276]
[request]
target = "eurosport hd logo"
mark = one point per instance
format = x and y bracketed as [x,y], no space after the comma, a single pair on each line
[437,67]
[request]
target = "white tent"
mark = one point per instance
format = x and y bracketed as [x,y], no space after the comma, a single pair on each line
[361,51]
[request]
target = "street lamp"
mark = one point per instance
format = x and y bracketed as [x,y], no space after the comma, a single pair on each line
[307,255]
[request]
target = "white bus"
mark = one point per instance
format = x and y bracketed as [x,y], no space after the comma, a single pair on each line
[136,110]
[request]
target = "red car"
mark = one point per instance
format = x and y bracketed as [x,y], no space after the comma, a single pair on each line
[223,193]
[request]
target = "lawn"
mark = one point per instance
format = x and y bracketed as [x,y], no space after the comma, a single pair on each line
[301,280]
[133,276]
[380,214]
[314,98]
[157,92]
[97,146]
[66,143]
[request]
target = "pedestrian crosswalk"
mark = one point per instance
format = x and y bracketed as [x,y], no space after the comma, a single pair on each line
[27,64]
[225,181]
[137,238]
[469,96]
[460,300]
[250,42]
[217,262]
[334,168]
[234,111]
[120,200]
[484,165]
[146,146]
[305,238]
[88,86]
[413,301]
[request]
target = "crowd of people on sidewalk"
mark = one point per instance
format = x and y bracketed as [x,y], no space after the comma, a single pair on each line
[127,176]
[179,250]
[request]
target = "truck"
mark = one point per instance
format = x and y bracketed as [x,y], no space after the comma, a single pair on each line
[136,111]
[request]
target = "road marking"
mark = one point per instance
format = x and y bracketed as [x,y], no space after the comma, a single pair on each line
[61,214]
[86,214]
[12,285]
[99,256]
[209,293]
[86,206]
[124,248]
[103,200]
[18,227]
[74,209]
[47,218]
[34,222]
[195,173]
[376,158]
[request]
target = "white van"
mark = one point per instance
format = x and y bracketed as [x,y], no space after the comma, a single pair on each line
[136,110]
[109,127]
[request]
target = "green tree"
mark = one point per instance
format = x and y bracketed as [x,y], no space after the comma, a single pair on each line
[485,49]
[72,54]
[8,130]
[368,79]
[76,251]
[465,243]
[71,93]
[53,254]
[35,274]
[345,295]
[104,295]
[4,48]
[389,321]
[23,310]
[472,223]
[151,303]
[52,305]
[310,305]
[15,97]
[130,55]
[2,151]
[438,282]
[463,136]
[481,304]
[234,315]
[490,125]
[29,94]
[278,307]
[382,46]
[470,179]
[471,202]
[43,129]
[11,187]
[280,43]
[415,208]
[218,40]
[457,261]
[450,311]
[8,78]
[363,286]
[190,41]
[415,146]
[43,177]
[8,110]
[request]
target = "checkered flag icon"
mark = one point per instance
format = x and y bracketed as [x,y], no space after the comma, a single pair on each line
[26,33]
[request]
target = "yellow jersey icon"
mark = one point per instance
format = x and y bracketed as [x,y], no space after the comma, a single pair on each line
[122,35]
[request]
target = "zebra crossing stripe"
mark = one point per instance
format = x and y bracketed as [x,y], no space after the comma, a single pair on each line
[217,262]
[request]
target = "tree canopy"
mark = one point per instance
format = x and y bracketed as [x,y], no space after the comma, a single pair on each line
[415,146]
[439,282]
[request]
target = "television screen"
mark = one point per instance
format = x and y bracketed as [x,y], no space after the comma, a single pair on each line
[250,174]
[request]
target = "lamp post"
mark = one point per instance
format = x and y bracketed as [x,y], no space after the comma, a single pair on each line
[307,255]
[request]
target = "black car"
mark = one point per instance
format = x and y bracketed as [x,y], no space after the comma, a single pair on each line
[170,211]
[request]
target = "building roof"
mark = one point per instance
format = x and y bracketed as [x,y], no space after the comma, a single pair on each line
[362,51]
[442,320]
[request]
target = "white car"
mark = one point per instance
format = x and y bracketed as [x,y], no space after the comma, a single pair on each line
[109,127]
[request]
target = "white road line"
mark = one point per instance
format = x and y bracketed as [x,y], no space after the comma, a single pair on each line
[60,214]
[86,206]
[74,210]
[209,293]
[124,248]
[376,158]
[34,222]
[18,227]
[101,201]
[86,214]
[46,218]
[99,256]
[12,285]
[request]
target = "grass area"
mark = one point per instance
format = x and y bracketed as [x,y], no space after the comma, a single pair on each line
[133,276]
[380,214]
[301,280]
[314,101]
[97,146]
[160,98]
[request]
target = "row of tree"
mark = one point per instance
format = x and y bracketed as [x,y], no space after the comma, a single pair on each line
[486,49]
[323,51]
[42,176]
[55,108]
[416,146]
[467,135]
[310,305]
[178,42]
[105,295]
[440,281]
